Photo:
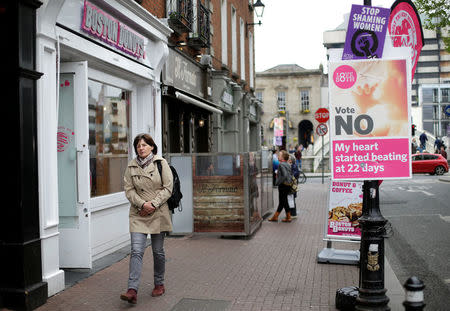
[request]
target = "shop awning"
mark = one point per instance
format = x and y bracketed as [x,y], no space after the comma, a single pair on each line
[193,101]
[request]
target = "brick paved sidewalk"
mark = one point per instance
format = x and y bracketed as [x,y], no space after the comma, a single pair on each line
[276,269]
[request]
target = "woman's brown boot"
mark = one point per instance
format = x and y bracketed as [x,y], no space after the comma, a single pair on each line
[130,296]
[274,217]
[158,290]
[288,217]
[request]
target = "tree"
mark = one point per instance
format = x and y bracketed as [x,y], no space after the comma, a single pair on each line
[437,14]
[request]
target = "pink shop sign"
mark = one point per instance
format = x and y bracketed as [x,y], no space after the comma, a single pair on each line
[103,26]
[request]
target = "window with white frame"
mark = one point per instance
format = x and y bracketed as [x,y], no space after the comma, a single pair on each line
[259,95]
[224,28]
[304,100]
[250,56]
[109,141]
[233,40]
[281,101]
[242,48]
[445,95]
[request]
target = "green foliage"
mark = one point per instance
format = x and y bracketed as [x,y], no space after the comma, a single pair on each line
[437,16]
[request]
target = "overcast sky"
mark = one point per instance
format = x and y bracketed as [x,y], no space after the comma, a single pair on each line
[292,30]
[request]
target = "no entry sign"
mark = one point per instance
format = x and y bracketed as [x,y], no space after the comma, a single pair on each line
[322,115]
[321,129]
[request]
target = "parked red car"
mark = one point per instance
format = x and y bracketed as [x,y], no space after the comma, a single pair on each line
[429,163]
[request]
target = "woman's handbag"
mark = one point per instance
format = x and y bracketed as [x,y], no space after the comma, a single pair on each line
[293,184]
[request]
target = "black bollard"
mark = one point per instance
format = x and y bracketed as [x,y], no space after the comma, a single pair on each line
[414,294]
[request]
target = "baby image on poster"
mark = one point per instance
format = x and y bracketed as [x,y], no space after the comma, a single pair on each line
[369,98]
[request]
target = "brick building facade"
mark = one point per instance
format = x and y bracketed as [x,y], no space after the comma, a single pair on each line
[208,81]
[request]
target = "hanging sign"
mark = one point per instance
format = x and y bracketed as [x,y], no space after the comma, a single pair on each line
[366,32]
[344,210]
[278,127]
[370,119]
[405,29]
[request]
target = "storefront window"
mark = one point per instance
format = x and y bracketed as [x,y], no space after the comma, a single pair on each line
[108,137]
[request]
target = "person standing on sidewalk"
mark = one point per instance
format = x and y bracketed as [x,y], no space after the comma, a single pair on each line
[423,140]
[275,163]
[443,152]
[296,173]
[437,145]
[147,192]
[284,177]
[298,156]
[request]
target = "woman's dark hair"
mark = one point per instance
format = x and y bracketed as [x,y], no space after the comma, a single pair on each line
[148,139]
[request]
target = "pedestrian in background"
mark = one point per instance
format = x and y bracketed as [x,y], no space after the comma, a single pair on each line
[284,177]
[423,140]
[147,192]
[443,152]
[298,156]
[275,163]
[296,173]
[437,145]
[291,149]
[414,146]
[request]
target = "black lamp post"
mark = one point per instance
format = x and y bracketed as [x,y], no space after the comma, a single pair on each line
[258,7]
[372,294]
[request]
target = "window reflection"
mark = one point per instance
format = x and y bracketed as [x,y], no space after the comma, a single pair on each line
[220,165]
[108,137]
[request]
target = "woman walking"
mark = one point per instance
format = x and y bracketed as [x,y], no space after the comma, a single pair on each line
[147,192]
[284,177]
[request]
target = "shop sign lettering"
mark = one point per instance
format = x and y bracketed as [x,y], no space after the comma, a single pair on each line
[183,73]
[106,28]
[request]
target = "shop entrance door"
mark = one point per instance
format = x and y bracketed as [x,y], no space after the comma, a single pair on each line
[73,167]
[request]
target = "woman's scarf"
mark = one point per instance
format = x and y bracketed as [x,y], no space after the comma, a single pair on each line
[143,163]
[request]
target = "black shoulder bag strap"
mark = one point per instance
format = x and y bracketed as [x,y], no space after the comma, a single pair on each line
[159,165]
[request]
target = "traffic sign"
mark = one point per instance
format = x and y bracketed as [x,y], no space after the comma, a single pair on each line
[322,115]
[447,110]
[321,129]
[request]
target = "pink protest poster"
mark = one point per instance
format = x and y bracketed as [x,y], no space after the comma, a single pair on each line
[405,29]
[344,210]
[370,119]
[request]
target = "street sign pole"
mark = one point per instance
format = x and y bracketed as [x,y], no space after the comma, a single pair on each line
[322,115]
[323,162]
[371,293]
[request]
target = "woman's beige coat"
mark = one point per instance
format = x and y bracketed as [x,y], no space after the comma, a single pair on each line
[144,185]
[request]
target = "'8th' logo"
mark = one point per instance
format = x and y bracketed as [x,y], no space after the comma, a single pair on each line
[344,76]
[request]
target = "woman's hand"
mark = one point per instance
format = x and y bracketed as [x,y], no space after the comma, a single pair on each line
[147,209]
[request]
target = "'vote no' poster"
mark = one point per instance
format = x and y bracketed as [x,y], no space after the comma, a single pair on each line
[370,119]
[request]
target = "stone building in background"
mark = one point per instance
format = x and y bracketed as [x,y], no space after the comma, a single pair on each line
[293,94]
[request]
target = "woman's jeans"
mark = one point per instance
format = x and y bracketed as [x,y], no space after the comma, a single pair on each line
[138,241]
